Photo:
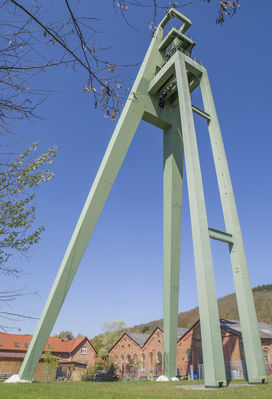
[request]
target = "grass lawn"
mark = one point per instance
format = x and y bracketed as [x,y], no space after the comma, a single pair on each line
[125,390]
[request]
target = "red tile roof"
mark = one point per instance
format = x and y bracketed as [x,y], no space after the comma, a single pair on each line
[19,343]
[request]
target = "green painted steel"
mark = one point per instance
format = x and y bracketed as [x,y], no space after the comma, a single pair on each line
[111,163]
[214,369]
[172,197]
[161,96]
[247,314]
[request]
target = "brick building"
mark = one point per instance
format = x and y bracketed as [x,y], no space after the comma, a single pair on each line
[74,355]
[140,355]
[189,349]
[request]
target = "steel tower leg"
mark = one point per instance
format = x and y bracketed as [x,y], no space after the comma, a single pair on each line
[172,199]
[100,190]
[214,368]
[108,170]
[245,302]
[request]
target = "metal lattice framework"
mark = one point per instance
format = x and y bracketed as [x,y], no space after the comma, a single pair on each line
[161,96]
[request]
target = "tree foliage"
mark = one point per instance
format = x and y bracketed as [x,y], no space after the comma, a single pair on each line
[64,333]
[50,364]
[146,329]
[35,37]
[18,179]
[263,287]
[112,332]
[101,370]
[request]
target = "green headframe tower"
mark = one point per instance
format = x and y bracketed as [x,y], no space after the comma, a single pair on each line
[161,95]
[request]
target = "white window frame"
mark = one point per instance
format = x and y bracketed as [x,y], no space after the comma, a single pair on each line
[84,350]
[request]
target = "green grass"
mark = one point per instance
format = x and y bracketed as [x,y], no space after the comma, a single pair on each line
[125,390]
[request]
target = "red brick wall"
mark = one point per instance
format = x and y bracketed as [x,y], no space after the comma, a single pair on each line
[126,346]
[12,366]
[88,357]
[189,351]
[154,345]
[232,346]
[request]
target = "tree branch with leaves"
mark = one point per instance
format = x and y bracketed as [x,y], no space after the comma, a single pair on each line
[31,29]
[18,179]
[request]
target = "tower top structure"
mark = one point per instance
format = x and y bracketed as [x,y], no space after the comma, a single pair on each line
[176,38]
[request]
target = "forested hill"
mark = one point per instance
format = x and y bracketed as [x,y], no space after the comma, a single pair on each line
[227,310]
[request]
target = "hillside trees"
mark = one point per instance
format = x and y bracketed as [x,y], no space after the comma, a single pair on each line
[65,333]
[112,332]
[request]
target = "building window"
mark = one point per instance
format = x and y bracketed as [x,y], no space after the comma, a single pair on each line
[83,351]
[266,358]
[17,345]
[188,355]
[143,362]
[26,345]
[159,357]
[135,361]
[151,362]
[0,343]
[128,359]
[122,364]
[200,356]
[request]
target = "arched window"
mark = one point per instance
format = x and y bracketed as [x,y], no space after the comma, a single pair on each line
[159,357]
[266,357]
[135,362]
[188,355]
[116,359]
[151,362]
[122,364]
[128,359]
[143,362]
[200,356]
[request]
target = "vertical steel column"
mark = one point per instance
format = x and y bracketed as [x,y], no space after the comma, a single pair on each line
[214,368]
[172,200]
[245,302]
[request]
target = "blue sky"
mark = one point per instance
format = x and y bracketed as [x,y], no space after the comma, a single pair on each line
[120,276]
